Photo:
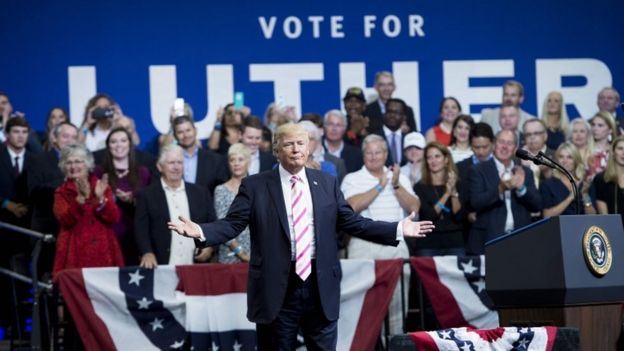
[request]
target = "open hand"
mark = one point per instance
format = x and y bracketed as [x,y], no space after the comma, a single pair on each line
[186,228]
[416,229]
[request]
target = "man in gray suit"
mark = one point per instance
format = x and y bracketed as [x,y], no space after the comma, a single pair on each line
[513,94]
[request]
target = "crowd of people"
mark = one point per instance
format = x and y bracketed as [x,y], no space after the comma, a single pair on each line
[108,202]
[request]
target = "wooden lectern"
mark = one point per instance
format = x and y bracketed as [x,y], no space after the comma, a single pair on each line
[563,271]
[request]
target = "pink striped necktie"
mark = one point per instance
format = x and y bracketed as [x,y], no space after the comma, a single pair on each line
[301,225]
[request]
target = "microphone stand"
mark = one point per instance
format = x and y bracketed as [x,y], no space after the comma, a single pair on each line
[540,155]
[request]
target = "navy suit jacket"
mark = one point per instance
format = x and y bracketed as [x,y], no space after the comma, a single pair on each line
[14,188]
[267,161]
[491,210]
[212,170]
[351,155]
[260,204]
[152,214]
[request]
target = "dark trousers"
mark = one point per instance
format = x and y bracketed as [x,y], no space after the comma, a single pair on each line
[301,310]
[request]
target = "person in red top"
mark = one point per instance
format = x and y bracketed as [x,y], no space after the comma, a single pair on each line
[441,132]
[86,211]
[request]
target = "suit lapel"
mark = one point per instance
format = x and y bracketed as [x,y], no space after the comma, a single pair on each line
[199,175]
[160,198]
[275,190]
[191,201]
[6,160]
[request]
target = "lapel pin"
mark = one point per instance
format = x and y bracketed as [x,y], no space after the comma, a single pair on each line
[315,183]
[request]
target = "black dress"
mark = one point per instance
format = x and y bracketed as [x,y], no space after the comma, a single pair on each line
[553,192]
[448,235]
[611,194]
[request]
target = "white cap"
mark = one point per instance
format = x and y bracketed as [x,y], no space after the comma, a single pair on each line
[414,139]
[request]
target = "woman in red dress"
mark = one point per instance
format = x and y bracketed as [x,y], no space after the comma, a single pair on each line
[85,209]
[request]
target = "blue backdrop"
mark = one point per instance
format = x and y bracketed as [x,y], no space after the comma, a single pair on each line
[144,53]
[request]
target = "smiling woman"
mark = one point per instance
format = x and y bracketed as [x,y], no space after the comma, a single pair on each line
[86,211]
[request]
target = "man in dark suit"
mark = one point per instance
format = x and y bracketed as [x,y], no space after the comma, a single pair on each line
[15,205]
[45,176]
[251,137]
[391,131]
[384,85]
[201,167]
[294,275]
[6,112]
[167,198]
[481,142]
[502,193]
[334,128]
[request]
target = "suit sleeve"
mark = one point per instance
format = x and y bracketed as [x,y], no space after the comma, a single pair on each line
[484,193]
[236,221]
[142,224]
[532,199]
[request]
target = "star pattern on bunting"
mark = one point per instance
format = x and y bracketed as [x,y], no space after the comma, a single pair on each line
[156,324]
[144,303]
[480,284]
[214,347]
[177,344]
[135,278]
[237,346]
[468,267]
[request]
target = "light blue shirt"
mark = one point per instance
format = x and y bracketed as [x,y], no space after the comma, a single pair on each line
[190,166]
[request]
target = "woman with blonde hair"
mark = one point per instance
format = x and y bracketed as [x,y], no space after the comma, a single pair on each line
[610,184]
[579,134]
[235,250]
[603,132]
[555,117]
[557,191]
[438,191]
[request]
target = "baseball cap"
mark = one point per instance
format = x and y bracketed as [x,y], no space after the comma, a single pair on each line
[414,139]
[356,93]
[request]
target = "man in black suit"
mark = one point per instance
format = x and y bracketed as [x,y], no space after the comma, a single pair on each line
[391,131]
[15,204]
[201,167]
[334,128]
[481,142]
[294,274]
[384,85]
[6,112]
[502,193]
[251,137]
[163,200]
[45,176]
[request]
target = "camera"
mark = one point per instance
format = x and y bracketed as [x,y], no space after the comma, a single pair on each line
[102,113]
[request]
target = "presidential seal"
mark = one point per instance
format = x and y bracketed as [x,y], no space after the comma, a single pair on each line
[597,250]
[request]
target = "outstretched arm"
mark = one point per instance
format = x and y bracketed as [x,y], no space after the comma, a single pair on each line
[416,229]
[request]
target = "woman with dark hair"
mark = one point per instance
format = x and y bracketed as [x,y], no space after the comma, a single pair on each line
[86,211]
[460,138]
[97,122]
[557,191]
[126,178]
[56,116]
[438,191]
[610,184]
[441,132]
[227,129]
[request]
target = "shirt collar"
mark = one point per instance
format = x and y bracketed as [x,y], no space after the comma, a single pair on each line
[14,155]
[501,167]
[168,188]
[285,175]
[388,132]
[476,161]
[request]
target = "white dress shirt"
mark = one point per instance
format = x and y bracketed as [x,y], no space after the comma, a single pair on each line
[182,248]
[307,198]
[20,160]
[254,164]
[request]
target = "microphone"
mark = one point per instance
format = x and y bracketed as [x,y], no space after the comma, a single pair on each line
[537,159]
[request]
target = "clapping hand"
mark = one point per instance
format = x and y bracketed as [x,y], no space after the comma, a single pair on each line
[101,186]
[416,229]
[186,228]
